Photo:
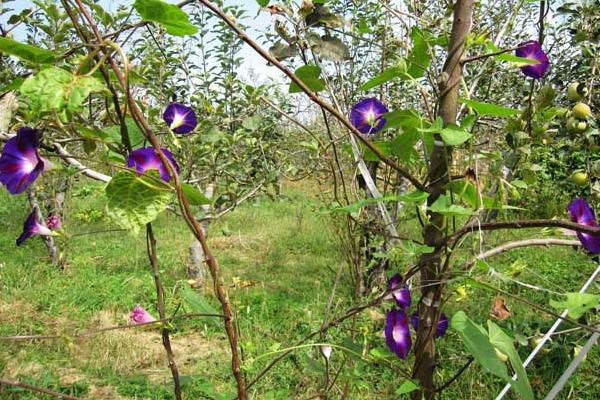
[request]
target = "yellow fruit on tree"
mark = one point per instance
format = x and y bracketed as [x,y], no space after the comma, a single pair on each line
[581,110]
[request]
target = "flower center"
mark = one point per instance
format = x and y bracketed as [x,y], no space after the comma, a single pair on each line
[178,121]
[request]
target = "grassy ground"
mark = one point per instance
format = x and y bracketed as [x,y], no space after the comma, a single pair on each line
[279,261]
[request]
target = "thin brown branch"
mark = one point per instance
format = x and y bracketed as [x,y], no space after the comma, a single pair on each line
[160,300]
[521,243]
[187,212]
[312,95]
[522,224]
[37,389]
[91,333]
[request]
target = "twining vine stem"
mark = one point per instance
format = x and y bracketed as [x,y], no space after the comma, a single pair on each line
[160,302]
[187,213]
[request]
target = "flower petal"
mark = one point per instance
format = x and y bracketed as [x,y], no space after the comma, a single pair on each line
[581,212]
[367,115]
[53,222]
[180,118]
[397,333]
[32,227]
[20,163]
[400,292]
[442,325]
[533,50]
[140,316]
[146,159]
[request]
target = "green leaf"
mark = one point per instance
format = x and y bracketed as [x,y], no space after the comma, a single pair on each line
[136,137]
[504,343]
[310,75]
[402,118]
[387,75]
[443,205]
[467,191]
[406,387]
[331,48]
[252,123]
[478,345]
[27,52]
[419,57]
[196,303]
[263,3]
[403,146]
[490,109]
[133,201]
[414,197]
[323,16]
[577,303]
[54,89]
[369,155]
[194,196]
[175,21]
[455,137]
[281,50]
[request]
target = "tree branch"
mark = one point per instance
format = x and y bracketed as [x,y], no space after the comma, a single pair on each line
[61,396]
[312,95]
[520,243]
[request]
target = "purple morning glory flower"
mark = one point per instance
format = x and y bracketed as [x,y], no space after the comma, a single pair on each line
[533,50]
[180,118]
[582,213]
[367,115]
[146,158]
[32,227]
[399,292]
[397,333]
[442,325]
[140,316]
[20,163]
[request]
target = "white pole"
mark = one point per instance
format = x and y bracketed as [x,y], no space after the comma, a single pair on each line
[558,386]
[548,334]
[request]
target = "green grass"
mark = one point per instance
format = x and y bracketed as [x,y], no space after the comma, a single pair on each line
[279,261]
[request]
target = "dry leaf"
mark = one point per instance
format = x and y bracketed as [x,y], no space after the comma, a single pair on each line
[499,309]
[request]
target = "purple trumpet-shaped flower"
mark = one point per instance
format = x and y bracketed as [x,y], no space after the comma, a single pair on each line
[20,163]
[32,227]
[582,213]
[399,292]
[53,222]
[180,118]
[442,325]
[367,115]
[397,333]
[146,158]
[533,50]
[140,316]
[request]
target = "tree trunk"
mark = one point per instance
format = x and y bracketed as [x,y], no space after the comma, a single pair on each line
[195,265]
[429,305]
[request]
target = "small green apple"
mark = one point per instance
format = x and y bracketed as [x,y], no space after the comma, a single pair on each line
[579,178]
[576,91]
[581,110]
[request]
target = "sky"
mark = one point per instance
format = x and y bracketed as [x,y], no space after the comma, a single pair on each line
[257,22]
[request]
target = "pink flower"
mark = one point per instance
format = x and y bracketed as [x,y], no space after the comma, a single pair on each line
[140,316]
[53,222]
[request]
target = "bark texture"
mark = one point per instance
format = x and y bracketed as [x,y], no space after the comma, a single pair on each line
[434,236]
